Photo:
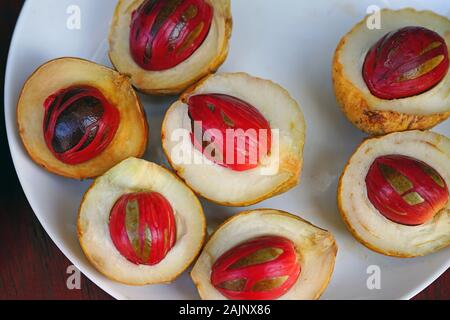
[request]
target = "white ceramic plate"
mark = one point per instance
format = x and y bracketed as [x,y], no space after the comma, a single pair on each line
[288,41]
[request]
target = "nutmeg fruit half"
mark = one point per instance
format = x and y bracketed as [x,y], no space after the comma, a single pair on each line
[167,45]
[394,195]
[265,254]
[139,224]
[235,139]
[395,78]
[78,119]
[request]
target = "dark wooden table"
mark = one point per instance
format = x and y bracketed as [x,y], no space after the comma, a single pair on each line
[31,266]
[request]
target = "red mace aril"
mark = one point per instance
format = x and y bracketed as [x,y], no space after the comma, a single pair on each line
[79,123]
[142,227]
[406,63]
[405,190]
[237,135]
[264,268]
[165,33]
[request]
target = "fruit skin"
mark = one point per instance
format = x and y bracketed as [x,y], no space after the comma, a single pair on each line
[154,215]
[175,87]
[98,263]
[109,157]
[343,213]
[405,49]
[222,112]
[166,53]
[286,264]
[292,165]
[105,124]
[355,106]
[281,213]
[390,201]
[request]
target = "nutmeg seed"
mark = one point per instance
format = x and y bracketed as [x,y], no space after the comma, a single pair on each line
[264,268]
[79,123]
[236,133]
[142,227]
[405,63]
[405,190]
[165,33]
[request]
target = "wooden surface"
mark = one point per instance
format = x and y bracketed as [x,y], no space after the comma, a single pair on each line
[31,266]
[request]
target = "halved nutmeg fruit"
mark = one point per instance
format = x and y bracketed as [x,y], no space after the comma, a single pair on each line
[395,78]
[167,45]
[265,255]
[235,139]
[394,193]
[139,224]
[78,119]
